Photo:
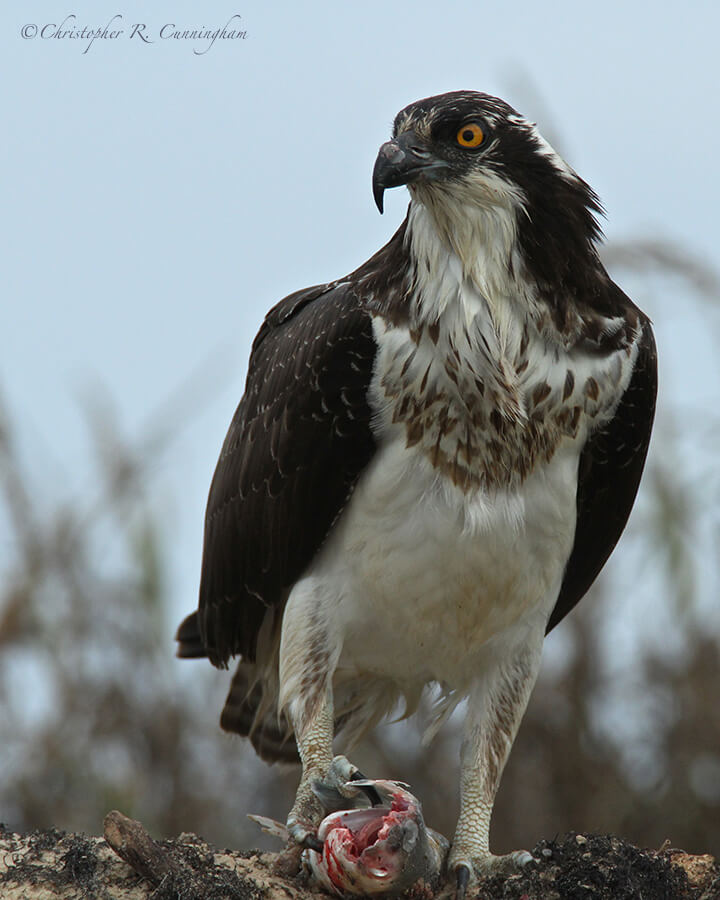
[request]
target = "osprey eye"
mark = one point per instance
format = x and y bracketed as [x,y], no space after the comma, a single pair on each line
[470,135]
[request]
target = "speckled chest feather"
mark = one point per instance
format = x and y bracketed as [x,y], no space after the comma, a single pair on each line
[485,401]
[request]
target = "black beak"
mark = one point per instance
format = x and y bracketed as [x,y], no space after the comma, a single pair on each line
[401,161]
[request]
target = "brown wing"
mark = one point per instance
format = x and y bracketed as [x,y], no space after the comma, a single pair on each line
[298,442]
[611,465]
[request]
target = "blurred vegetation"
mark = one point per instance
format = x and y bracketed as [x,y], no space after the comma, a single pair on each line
[622,734]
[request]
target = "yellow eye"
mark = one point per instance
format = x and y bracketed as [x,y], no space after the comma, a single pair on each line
[470,135]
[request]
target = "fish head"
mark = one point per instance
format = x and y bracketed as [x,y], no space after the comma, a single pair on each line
[383,850]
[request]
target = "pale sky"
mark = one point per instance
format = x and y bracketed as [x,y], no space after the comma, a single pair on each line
[158,201]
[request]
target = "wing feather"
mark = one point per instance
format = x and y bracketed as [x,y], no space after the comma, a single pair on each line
[611,465]
[298,442]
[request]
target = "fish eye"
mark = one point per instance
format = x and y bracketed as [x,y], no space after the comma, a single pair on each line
[470,135]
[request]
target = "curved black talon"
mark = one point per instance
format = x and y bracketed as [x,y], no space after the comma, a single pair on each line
[372,795]
[312,843]
[462,876]
[369,791]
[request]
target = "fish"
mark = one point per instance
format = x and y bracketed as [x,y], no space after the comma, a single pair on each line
[374,841]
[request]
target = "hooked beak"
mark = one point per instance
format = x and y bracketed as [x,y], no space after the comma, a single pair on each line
[403,160]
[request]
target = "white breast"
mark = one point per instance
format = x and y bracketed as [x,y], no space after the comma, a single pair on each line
[419,576]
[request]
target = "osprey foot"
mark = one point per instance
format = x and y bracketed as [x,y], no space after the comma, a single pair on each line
[466,871]
[341,772]
[303,832]
[344,787]
[316,797]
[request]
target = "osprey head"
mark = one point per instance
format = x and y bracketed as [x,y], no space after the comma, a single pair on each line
[465,139]
[478,167]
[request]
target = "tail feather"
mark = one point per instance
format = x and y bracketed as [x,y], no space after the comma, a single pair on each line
[251,705]
[251,711]
[190,645]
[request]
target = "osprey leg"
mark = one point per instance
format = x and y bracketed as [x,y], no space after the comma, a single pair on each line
[314,731]
[495,708]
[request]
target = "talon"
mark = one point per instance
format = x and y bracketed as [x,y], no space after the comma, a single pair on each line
[312,842]
[303,834]
[368,789]
[344,786]
[462,880]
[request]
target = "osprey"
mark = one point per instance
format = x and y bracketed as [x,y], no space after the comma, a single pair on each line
[432,461]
